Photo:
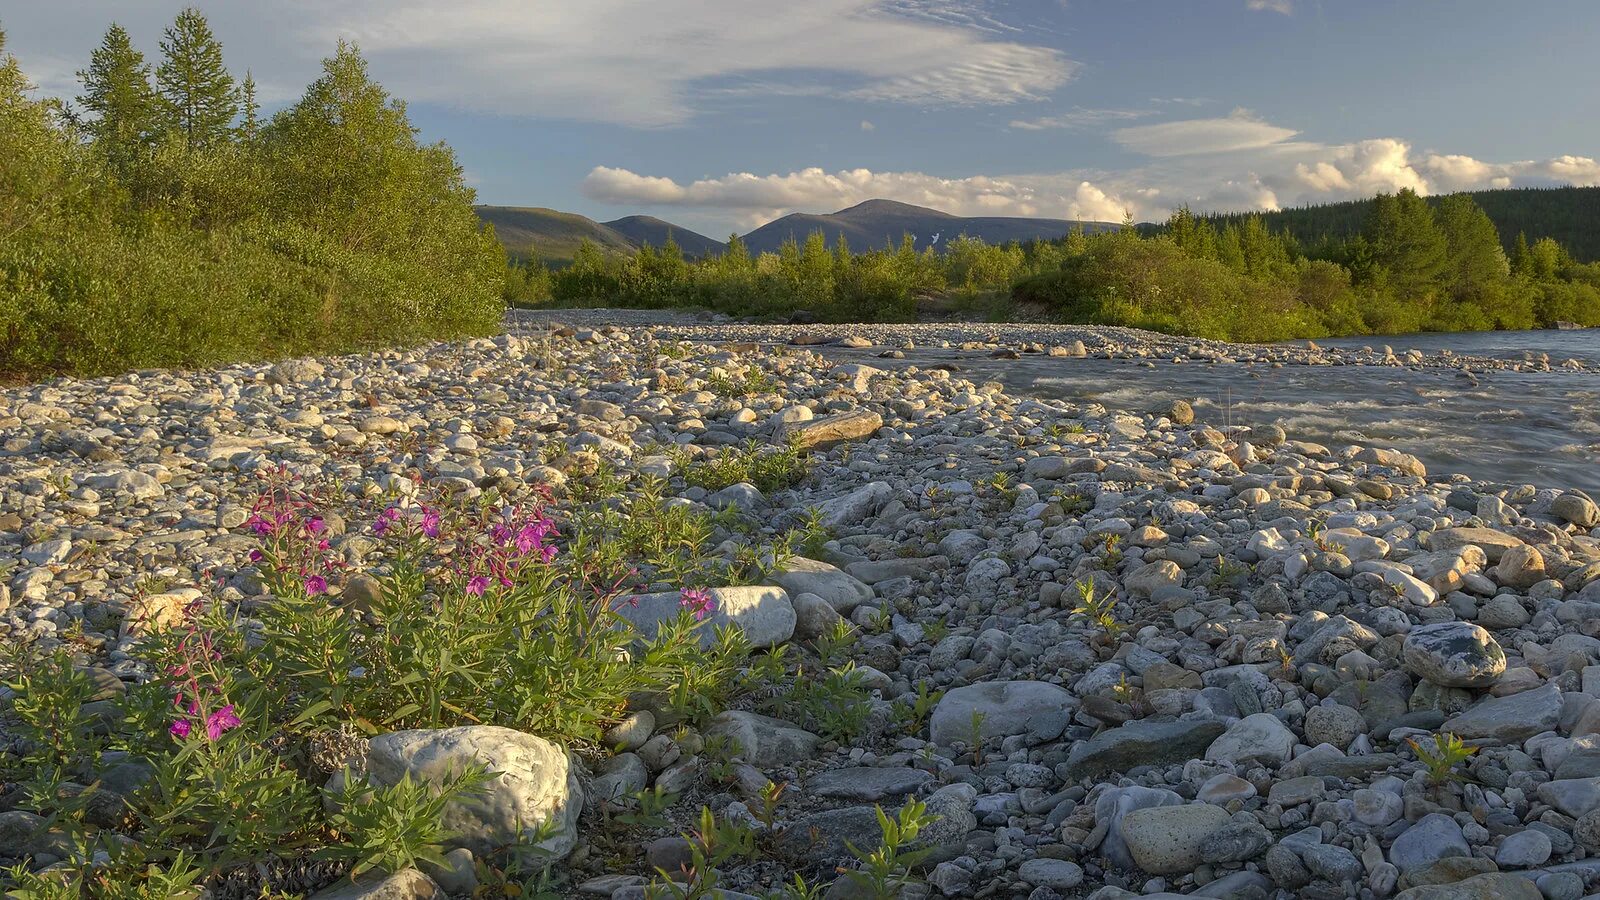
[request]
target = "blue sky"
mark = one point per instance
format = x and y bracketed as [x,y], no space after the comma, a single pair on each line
[723,114]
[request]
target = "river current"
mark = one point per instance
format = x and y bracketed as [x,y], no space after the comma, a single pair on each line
[1508,427]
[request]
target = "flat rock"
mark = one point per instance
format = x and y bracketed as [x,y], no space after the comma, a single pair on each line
[1038,709]
[1142,743]
[1512,718]
[868,783]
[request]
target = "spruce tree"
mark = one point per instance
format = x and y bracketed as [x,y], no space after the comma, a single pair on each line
[250,111]
[198,97]
[116,88]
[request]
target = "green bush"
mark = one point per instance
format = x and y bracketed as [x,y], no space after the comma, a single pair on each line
[327,229]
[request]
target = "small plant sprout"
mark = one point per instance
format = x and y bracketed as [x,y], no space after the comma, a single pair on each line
[885,872]
[1097,608]
[1441,755]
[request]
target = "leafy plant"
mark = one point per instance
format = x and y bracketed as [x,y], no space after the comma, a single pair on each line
[1441,756]
[396,826]
[886,870]
[1098,608]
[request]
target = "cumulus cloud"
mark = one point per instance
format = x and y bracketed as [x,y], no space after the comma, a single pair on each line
[631,62]
[1282,174]
[868,126]
[1240,130]
[1285,7]
[761,198]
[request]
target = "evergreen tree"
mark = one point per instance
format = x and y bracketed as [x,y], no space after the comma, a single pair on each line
[249,110]
[1521,259]
[198,97]
[1406,241]
[116,88]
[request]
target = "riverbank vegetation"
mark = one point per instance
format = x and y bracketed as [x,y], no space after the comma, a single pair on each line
[1414,266]
[160,221]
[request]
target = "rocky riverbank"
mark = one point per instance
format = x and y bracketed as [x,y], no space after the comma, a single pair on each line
[1015,339]
[1113,654]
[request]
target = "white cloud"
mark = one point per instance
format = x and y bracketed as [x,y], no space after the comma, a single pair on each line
[1286,7]
[631,62]
[1078,117]
[1239,131]
[868,126]
[1281,174]
[761,198]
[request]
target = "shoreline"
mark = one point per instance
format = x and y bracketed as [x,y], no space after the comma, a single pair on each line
[1284,616]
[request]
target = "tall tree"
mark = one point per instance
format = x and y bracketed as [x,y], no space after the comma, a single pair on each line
[1406,241]
[116,88]
[249,110]
[198,96]
[1474,258]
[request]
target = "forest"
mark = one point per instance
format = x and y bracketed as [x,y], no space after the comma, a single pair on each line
[1566,214]
[159,221]
[1412,265]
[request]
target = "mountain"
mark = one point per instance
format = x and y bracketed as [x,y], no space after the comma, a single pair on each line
[641,230]
[1571,215]
[552,235]
[876,222]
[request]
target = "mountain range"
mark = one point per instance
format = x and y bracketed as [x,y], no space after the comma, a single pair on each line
[1567,214]
[553,236]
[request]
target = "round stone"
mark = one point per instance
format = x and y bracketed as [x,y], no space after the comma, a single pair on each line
[1454,654]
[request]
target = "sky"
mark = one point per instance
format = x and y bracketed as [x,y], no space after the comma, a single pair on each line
[721,115]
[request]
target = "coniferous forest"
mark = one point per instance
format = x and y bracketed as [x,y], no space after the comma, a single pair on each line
[159,220]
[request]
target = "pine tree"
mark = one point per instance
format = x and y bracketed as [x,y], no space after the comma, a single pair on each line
[250,111]
[199,100]
[116,88]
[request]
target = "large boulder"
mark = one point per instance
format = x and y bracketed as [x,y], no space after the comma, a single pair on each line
[534,787]
[1493,543]
[1038,709]
[1261,737]
[1453,654]
[1113,807]
[762,740]
[764,614]
[1165,840]
[829,430]
[843,591]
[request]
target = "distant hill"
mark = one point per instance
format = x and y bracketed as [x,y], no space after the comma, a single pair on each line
[550,234]
[876,222]
[641,230]
[1571,215]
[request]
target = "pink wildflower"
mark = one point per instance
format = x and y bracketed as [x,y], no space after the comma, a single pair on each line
[223,720]
[430,522]
[697,601]
[477,585]
[316,584]
[180,729]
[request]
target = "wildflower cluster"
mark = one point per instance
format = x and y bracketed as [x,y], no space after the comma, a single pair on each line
[698,601]
[295,552]
[201,697]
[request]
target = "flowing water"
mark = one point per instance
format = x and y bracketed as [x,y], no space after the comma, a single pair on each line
[1509,427]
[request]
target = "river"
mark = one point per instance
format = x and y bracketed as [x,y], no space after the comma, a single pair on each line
[1509,427]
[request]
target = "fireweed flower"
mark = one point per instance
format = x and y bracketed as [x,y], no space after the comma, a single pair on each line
[180,729]
[316,584]
[477,585]
[697,601]
[430,522]
[221,721]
